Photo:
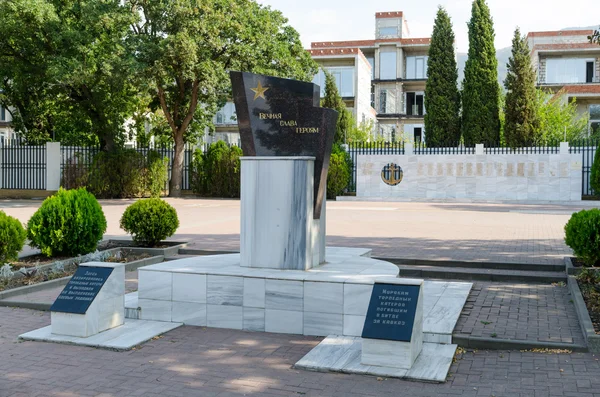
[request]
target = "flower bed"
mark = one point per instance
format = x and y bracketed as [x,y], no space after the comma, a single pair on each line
[589,284]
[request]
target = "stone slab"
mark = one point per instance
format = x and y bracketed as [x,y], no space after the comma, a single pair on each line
[124,337]
[342,354]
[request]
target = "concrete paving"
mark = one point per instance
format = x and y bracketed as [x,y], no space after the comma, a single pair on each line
[513,233]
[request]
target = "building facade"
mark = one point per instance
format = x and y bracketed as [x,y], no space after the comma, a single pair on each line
[6,132]
[396,76]
[567,63]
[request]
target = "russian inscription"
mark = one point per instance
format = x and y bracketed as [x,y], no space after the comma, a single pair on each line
[81,290]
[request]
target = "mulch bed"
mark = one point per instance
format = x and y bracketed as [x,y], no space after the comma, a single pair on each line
[591,296]
[105,245]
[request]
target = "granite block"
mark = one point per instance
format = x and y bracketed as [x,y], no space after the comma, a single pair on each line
[225,290]
[284,295]
[189,287]
[189,313]
[323,324]
[223,316]
[284,321]
[323,297]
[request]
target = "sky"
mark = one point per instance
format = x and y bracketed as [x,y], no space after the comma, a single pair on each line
[324,20]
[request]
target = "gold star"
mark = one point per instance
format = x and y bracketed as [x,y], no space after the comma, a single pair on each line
[259,91]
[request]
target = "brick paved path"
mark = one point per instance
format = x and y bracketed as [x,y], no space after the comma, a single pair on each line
[533,312]
[193,361]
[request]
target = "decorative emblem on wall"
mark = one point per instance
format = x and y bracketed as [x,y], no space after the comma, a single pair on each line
[392,174]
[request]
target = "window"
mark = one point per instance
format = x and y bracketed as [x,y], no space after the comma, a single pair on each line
[387,65]
[594,119]
[568,70]
[416,67]
[388,31]
[344,80]
[2,114]
[226,115]
[372,63]
[414,104]
[387,132]
[387,101]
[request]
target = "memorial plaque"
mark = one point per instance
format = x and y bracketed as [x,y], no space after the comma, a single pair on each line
[80,292]
[282,117]
[391,312]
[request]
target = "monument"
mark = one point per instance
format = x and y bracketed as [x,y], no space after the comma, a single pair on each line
[286,139]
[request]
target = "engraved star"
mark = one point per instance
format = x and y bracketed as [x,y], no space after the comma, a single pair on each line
[259,91]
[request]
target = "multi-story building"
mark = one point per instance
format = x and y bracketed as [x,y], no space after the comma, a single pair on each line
[568,63]
[6,131]
[394,68]
[382,80]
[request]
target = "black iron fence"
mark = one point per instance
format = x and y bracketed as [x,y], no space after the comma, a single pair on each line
[22,166]
[587,148]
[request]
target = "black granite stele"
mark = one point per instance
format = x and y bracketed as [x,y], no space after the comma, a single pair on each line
[81,290]
[391,312]
[282,117]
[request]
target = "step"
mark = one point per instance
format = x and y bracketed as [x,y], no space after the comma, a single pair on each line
[471,274]
[179,256]
[477,264]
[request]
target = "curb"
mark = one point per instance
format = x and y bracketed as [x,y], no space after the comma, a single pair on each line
[454,275]
[202,252]
[587,327]
[26,289]
[476,264]
[476,342]
[27,305]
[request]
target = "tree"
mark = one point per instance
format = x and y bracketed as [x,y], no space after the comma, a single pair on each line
[521,121]
[333,100]
[595,37]
[558,119]
[186,47]
[480,118]
[442,99]
[66,68]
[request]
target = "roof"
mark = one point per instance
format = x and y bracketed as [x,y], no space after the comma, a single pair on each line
[389,14]
[587,32]
[339,51]
[369,43]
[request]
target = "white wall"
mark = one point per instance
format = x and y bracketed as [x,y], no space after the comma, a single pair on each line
[491,177]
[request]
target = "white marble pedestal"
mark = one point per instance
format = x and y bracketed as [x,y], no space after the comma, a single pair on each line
[105,312]
[277,226]
[392,353]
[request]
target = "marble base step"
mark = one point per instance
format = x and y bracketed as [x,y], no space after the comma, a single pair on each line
[132,309]
[124,337]
[343,354]
[463,273]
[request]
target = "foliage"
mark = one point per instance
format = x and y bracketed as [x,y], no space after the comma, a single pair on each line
[216,173]
[442,98]
[558,119]
[480,95]
[333,100]
[66,68]
[12,238]
[595,172]
[595,37]
[360,133]
[127,173]
[582,234]
[70,222]
[150,221]
[339,173]
[521,120]
[185,49]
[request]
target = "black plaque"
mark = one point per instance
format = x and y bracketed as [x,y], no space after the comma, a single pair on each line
[391,313]
[80,292]
[282,117]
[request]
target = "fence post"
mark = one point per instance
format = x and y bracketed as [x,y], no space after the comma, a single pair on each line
[564,148]
[479,149]
[52,166]
[2,143]
[409,149]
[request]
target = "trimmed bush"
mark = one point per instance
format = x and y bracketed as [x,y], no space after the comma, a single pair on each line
[157,174]
[595,173]
[149,221]
[69,223]
[216,173]
[12,238]
[582,234]
[339,173]
[117,174]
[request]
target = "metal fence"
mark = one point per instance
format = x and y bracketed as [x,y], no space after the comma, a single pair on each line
[356,148]
[421,148]
[587,148]
[23,166]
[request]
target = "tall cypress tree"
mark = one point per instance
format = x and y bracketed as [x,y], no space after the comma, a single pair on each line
[442,99]
[333,100]
[480,96]
[521,120]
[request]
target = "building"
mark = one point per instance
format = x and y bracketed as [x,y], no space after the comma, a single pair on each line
[6,132]
[567,62]
[394,68]
[381,80]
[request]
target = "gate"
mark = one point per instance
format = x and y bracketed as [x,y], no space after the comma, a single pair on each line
[587,148]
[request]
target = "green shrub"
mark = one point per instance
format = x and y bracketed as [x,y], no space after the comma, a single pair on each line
[582,234]
[149,221]
[216,173]
[595,174]
[118,174]
[157,173]
[69,223]
[339,173]
[12,238]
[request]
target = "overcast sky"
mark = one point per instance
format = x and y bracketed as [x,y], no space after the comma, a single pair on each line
[323,20]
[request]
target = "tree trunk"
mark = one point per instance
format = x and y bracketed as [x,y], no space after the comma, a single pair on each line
[177,169]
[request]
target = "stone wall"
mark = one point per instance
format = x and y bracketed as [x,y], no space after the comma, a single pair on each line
[487,177]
